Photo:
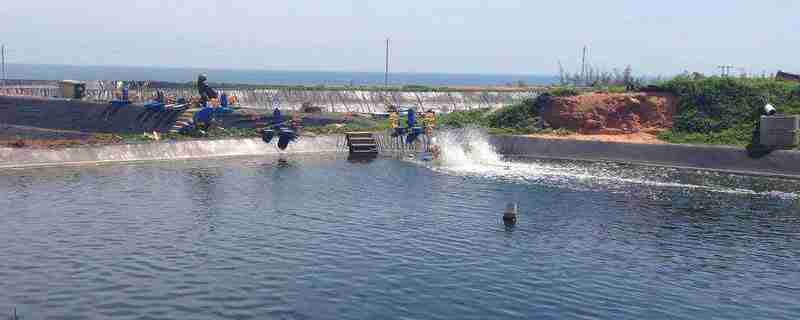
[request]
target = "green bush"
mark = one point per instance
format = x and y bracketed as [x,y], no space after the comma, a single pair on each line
[616,89]
[722,110]
[517,116]
[564,92]
[736,136]
[461,119]
[719,103]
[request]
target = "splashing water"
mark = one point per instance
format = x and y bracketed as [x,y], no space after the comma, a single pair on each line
[468,152]
[466,149]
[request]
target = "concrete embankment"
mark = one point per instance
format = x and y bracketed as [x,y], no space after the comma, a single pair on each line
[712,158]
[25,157]
[328,99]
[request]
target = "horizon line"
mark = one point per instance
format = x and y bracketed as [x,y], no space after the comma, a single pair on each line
[276,70]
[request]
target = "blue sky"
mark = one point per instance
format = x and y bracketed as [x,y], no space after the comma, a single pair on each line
[458,36]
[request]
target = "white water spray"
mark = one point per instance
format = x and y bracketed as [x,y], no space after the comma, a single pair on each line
[469,152]
[466,149]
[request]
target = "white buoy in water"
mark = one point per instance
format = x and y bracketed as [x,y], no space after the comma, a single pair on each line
[510,214]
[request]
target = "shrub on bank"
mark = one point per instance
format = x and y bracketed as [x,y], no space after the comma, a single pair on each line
[722,110]
[737,136]
[564,92]
[461,119]
[519,118]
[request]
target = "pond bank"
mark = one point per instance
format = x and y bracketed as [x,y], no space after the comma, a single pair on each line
[780,163]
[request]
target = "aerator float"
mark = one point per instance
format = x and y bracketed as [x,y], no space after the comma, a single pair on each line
[413,134]
[286,133]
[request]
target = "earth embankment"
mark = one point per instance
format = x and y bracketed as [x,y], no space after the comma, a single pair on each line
[610,113]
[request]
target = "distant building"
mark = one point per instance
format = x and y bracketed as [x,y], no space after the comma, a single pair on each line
[787,76]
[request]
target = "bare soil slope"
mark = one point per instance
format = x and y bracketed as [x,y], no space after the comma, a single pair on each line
[612,113]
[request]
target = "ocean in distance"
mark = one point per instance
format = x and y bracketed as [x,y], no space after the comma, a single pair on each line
[271,77]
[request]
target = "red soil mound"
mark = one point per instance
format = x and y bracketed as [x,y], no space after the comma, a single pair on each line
[611,113]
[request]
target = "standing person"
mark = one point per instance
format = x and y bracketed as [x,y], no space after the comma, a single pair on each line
[206,93]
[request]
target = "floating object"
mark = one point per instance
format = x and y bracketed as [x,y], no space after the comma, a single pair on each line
[285,136]
[278,127]
[267,135]
[510,214]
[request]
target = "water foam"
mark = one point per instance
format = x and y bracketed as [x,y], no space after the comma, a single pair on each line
[466,149]
[175,150]
[469,152]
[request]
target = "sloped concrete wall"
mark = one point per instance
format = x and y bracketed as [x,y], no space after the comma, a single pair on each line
[76,115]
[335,100]
[715,158]
[13,157]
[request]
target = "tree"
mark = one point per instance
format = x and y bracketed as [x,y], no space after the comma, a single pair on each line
[627,76]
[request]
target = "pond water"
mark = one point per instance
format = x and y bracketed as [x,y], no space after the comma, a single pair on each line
[321,237]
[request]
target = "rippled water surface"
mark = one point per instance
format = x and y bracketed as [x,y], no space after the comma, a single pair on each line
[318,237]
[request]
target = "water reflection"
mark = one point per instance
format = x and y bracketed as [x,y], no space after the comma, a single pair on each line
[359,159]
[509,226]
[203,186]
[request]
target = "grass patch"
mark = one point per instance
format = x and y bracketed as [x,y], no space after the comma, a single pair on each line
[738,136]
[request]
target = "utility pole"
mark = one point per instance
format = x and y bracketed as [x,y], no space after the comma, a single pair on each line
[3,55]
[583,67]
[386,73]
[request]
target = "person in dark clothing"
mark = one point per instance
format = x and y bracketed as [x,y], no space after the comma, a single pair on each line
[206,93]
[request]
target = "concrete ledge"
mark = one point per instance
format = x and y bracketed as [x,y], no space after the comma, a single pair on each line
[780,163]
[14,158]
